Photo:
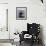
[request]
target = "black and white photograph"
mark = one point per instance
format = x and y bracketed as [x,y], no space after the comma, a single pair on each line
[21,13]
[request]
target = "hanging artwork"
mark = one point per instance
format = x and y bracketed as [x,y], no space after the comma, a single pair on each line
[21,13]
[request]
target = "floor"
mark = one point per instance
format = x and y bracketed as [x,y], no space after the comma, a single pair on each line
[5,44]
[22,44]
[26,44]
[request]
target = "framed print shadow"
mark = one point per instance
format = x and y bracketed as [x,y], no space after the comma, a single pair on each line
[21,13]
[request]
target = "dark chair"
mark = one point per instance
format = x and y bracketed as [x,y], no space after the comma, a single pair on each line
[32,29]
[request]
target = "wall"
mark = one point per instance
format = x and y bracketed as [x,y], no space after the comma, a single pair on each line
[4,34]
[35,13]
[3,1]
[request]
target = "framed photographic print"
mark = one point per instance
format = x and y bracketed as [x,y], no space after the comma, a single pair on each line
[21,13]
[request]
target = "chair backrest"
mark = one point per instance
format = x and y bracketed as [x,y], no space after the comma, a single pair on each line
[33,28]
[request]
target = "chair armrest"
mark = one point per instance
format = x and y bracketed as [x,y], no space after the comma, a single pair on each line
[24,32]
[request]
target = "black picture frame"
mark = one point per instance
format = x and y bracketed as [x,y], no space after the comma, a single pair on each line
[21,13]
